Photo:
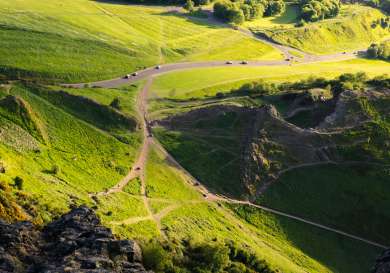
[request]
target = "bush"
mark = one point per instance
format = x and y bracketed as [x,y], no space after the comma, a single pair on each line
[245,10]
[189,6]
[379,51]
[55,169]
[18,182]
[116,103]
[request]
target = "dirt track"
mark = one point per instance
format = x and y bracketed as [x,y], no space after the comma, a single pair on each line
[138,169]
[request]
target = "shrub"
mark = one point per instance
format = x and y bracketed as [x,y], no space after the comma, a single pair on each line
[18,182]
[189,6]
[55,169]
[116,103]
[315,10]
[379,51]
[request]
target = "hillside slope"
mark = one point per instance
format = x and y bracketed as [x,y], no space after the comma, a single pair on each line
[54,41]
[355,29]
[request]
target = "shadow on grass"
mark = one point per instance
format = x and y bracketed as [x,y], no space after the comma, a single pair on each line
[336,252]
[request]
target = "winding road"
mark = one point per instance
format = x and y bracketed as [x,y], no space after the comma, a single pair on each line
[138,169]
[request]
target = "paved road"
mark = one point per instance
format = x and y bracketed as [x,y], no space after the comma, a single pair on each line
[152,71]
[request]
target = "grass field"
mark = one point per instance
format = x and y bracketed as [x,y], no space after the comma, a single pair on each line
[351,30]
[58,41]
[350,198]
[330,250]
[199,83]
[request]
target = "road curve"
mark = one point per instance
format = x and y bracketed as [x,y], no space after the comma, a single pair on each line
[153,71]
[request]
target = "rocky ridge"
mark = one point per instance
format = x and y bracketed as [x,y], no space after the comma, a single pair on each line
[76,242]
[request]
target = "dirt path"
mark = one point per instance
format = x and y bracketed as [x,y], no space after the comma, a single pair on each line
[214,197]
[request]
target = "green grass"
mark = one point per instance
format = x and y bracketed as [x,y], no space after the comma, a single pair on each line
[284,20]
[349,198]
[336,252]
[56,41]
[120,206]
[89,159]
[284,244]
[351,30]
[212,160]
[202,82]
[165,181]
[126,94]
[141,231]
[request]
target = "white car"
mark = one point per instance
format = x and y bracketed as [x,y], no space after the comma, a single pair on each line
[244,62]
[158,67]
[229,62]
[127,76]
[135,74]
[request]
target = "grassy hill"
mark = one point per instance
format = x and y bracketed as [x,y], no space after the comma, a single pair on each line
[355,28]
[61,41]
[75,158]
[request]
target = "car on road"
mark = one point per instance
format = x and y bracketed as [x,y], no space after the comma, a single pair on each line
[205,195]
[135,74]
[196,184]
[229,62]
[138,168]
[244,62]
[288,59]
[127,76]
[158,67]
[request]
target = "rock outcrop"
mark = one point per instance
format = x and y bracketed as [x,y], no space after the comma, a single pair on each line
[74,243]
[383,263]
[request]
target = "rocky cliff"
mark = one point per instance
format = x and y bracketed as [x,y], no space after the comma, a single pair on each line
[76,242]
[383,263]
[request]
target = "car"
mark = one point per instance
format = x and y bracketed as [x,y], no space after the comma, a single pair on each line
[127,76]
[134,74]
[344,52]
[288,59]
[229,62]
[196,184]
[158,67]
[244,62]
[138,168]
[205,195]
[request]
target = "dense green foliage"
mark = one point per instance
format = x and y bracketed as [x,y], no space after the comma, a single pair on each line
[238,12]
[315,10]
[380,51]
[197,257]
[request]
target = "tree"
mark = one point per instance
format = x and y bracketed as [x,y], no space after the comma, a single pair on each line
[116,104]
[275,7]
[189,6]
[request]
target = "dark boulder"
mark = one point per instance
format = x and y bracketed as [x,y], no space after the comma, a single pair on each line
[76,242]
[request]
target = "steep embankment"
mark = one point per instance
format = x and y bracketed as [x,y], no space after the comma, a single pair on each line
[349,32]
[56,148]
